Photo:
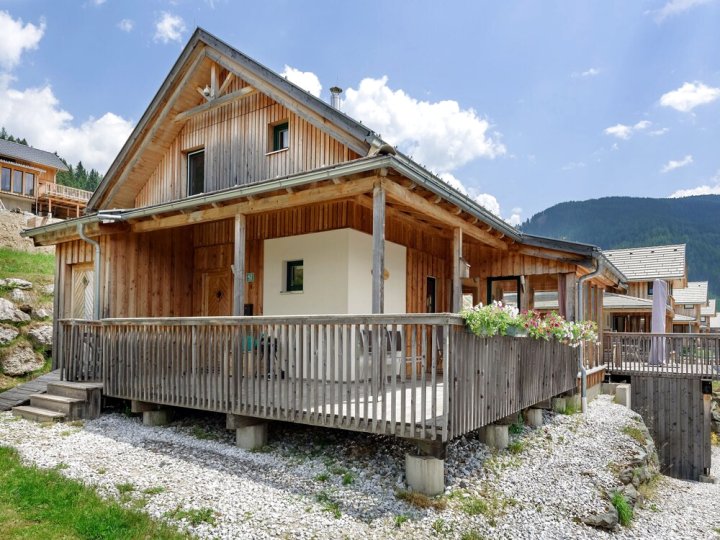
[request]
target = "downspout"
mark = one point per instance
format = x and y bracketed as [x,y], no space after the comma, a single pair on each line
[96,276]
[581,316]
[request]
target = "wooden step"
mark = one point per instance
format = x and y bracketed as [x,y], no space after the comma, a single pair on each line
[36,414]
[76,390]
[72,408]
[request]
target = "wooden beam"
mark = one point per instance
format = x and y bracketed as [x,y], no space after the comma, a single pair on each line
[274,202]
[402,195]
[378,270]
[238,307]
[456,279]
[410,221]
[219,102]
[225,84]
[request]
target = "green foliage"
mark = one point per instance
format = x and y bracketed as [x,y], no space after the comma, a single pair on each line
[420,500]
[79,177]
[348,478]
[623,507]
[43,504]
[440,526]
[194,516]
[22,264]
[621,222]
[635,433]
[516,447]
[322,477]
[400,519]
[6,136]
[328,504]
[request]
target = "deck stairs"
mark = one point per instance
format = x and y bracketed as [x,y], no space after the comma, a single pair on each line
[63,401]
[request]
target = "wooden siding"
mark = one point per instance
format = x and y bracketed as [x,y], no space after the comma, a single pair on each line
[237,152]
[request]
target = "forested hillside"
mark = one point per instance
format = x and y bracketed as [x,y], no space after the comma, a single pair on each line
[617,222]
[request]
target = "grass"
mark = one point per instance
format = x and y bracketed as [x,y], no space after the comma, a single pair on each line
[25,265]
[516,447]
[194,516]
[714,439]
[636,433]
[517,428]
[328,504]
[471,535]
[37,503]
[420,500]
[6,383]
[153,490]
[322,477]
[125,488]
[400,519]
[490,504]
[203,434]
[348,478]
[623,507]
[440,526]
[716,387]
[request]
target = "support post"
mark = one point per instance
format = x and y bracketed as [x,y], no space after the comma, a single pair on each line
[456,279]
[570,296]
[239,267]
[378,270]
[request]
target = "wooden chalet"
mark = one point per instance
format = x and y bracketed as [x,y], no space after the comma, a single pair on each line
[254,251]
[689,302]
[28,183]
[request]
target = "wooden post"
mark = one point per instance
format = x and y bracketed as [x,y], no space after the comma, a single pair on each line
[570,298]
[456,279]
[378,270]
[239,266]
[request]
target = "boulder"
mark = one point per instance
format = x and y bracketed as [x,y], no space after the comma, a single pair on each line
[16,283]
[20,360]
[607,520]
[10,313]
[48,289]
[40,313]
[19,295]
[7,334]
[41,335]
[631,494]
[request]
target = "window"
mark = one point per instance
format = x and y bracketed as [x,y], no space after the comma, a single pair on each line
[5,182]
[650,288]
[504,289]
[293,276]
[280,136]
[29,184]
[703,319]
[196,172]
[688,306]
[17,181]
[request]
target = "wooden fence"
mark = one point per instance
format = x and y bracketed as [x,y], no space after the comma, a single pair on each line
[675,355]
[416,376]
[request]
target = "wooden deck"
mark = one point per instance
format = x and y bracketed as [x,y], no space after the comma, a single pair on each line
[21,393]
[413,376]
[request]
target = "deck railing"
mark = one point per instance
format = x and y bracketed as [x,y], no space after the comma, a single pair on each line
[415,376]
[51,189]
[678,355]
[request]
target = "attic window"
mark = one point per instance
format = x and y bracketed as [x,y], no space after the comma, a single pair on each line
[280,136]
[196,172]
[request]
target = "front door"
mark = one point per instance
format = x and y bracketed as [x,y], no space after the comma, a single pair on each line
[217,293]
[82,291]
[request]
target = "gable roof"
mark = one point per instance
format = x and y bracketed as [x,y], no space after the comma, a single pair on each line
[648,263]
[696,292]
[13,150]
[709,309]
[623,301]
[202,49]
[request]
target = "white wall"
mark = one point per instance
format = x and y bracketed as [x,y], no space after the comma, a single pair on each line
[337,274]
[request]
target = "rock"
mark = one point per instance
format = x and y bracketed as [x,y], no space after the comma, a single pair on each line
[631,494]
[41,335]
[16,283]
[626,476]
[20,360]
[18,295]
[48,289]
[40,313]
[7,334]
[607,520]
[8,312]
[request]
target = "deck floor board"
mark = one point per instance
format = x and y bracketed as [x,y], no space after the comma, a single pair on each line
[21,393]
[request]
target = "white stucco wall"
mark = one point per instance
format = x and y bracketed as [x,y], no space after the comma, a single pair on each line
[337,274]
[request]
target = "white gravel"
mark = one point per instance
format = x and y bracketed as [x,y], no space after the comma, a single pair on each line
[560,474]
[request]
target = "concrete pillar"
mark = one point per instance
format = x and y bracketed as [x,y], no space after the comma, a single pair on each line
[425,474]
[574,401]
[156,418]
[559,404]
[534,417]
[622,395]
[496,436]
[608,388]
[251,437]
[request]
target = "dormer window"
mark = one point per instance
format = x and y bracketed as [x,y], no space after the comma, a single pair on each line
[280,136]
[196,172]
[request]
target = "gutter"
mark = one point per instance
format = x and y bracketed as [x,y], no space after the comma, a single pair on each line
[581,316]
[96,272]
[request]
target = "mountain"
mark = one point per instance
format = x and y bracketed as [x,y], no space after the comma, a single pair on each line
[619,222]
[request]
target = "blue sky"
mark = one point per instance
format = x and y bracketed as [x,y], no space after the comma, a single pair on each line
[522,104]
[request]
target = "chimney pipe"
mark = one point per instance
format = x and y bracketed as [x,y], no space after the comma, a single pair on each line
[335,92]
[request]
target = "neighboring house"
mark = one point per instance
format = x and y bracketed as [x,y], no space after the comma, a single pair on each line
[642,266]
[714,324]
[238,193]
[689,302]
[27,182]
[707,312]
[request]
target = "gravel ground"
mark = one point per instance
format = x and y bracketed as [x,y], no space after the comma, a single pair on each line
[314,483]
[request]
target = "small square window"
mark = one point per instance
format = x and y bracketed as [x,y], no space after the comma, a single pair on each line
[294,276]
[280,137]
[688,306]
[196,172]
[650,288]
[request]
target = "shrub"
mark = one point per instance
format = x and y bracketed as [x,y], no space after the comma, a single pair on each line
[623,507]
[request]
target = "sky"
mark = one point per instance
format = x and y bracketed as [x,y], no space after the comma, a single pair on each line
[520,104]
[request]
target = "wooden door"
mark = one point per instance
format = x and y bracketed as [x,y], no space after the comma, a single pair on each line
[217,293]
[81,300]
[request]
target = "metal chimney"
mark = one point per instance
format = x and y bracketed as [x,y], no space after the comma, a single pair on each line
[335,92]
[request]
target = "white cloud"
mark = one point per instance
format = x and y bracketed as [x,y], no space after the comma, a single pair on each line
[592,72]
[675,7]
[169,28]
[658,132]
[623,131]
[450,180]
[16,38]
[439,135]
[515,218]
[486,200]
[98,2]
[126,25]
[306,80]
[689,96]
[677,164]
[705,189]
[573,165]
